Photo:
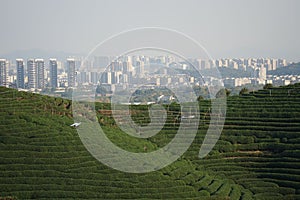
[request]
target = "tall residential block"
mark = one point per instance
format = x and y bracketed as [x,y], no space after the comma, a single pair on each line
[20,73]
[40,65]
[32,74]
[3,72]
[53,72]
[71,72]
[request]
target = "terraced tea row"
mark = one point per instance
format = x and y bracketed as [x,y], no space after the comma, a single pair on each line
[42,157]
[256,157]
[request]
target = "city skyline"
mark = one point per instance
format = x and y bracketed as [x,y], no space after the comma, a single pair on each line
[226,29]
[118,73]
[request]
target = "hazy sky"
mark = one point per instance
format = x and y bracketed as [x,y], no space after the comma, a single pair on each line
[231,28]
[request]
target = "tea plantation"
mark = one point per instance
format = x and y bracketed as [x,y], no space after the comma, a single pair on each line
[256,157]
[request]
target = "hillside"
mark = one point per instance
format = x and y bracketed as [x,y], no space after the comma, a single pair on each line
[292,69]
[257,156]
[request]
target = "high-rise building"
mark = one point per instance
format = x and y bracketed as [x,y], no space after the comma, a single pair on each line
[32,74]
[127,67]
[268,64]
[82,77]
[218,63]
[53,72]
[235,65]
[115,66]
[40,66]
[106,77]
[140,69]
[71,72]
[284,62]
[116,77]
[263,73]
[20,73]
[3,72]
[94,77]
[274,64]
[204,64]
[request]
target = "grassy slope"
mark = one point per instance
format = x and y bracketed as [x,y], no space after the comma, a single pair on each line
[41,156]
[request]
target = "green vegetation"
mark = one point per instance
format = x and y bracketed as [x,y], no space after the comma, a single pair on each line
[257,156]
[244,91]
[223,93]
[268,86]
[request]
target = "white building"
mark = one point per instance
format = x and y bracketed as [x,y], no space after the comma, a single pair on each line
[3,73]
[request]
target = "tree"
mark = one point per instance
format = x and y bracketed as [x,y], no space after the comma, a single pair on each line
[268,86]
[223,93]
[244,91]
[228,92]
[200,98]
[101,90]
